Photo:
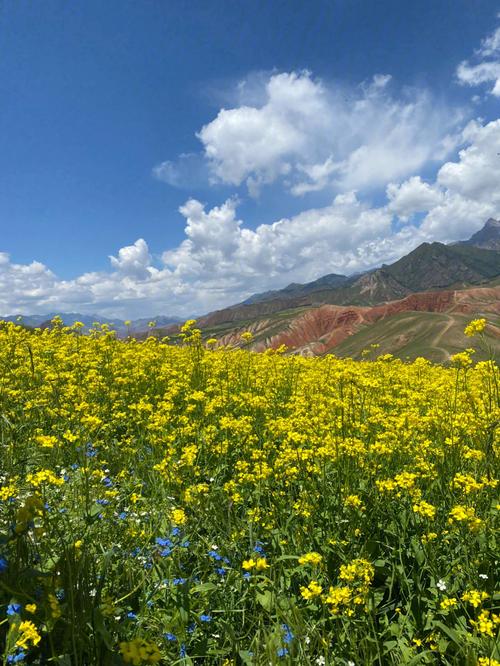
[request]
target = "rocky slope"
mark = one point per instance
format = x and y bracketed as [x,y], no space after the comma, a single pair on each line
[323,329]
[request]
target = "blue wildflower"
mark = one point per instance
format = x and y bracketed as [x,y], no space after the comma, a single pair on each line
[288,637]
[205,617]
[175,531]
[107,482]
[221,571]
[131,615]
[182,651]
[163,542]
[185,544]
[91,452]
[282,652]
[166,552]
[247,575]
[170,637]
[14,609]
[215,555]
[16,658]
[3,564]
[179,581]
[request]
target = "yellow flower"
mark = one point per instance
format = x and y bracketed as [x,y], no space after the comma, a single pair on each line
[259,564]
[46,441]
[27,634]
[354,502]
[314,589]
[462,360]
[485,623]
[337,597]
[448,602]
[311,558]
[474,327]
[30,608]
[474,597]
[425,509]
[44,476]
[178,516]
[359,571]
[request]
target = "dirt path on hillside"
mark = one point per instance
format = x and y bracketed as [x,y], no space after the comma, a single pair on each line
[441,334]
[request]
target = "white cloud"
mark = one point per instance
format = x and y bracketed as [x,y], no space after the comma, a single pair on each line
[412,196]
[222,261]
[466,192]
[133,259]
[311,135]
[476,175]
[487,65]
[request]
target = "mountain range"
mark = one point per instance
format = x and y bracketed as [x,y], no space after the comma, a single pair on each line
[417,306]
[135,326]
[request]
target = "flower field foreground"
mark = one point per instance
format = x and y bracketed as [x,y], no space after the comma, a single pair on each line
[186,504]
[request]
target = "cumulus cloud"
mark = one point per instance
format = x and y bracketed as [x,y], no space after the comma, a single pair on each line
[412,196]
[310,135]
[333,237]
[222,261]
[466,191]
[484,67]
[133,259]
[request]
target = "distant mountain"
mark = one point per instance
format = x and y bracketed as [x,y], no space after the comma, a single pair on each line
[416,306]
[430,266]
[295,289]
[428,324]
[487,238]
[69,318]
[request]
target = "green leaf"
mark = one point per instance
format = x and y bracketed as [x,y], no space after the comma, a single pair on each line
[452,634]
[203,587]
[246,657]
[265,599]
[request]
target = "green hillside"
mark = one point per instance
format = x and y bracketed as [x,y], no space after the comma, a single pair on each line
[407,335]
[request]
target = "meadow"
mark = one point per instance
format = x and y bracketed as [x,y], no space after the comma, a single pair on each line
[174,502]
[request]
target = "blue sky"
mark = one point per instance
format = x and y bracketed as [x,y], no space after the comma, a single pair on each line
[96,96]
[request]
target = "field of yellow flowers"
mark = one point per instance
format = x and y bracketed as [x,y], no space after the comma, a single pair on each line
[185,504]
